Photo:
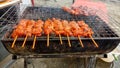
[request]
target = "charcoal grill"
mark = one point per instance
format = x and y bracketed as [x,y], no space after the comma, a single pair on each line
[105,36]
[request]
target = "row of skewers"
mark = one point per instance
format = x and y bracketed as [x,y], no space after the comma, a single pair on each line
[28,28]
[75,11]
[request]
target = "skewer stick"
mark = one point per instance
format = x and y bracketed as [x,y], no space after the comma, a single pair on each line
[60,39]
[13,44]
[34,42]
[48,40]
[94,41]
[80,41]
[68,40]
[24,41]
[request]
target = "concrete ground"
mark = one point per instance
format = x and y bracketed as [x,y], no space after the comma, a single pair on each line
[54,63]
[114,11]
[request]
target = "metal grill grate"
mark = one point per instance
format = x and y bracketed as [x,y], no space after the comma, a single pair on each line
[8,18]
[100,28]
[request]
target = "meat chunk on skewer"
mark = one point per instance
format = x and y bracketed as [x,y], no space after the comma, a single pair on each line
[73,11]
[19,30]
[69,10]
[58,27]
[29,26]
[37,28]
[23,28]
[48,27]
[75,29]
[67,28]
[87,31]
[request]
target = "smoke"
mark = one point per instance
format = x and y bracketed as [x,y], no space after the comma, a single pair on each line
[94,8]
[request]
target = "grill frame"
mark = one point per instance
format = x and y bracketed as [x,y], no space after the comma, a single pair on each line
[107,41]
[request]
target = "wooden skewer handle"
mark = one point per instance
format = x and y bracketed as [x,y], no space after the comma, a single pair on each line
[94,41]
[13,44]
[24,41]
[34,42]
[80,41]
[60,39]
[69,41]
[48,40]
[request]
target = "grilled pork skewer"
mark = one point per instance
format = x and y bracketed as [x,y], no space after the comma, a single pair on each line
[58,28]
[37,30]
[28,30]
[73,11]
[87,32]
[18,31]
[48,28]
[69,10]
[67,31]
[76,30]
